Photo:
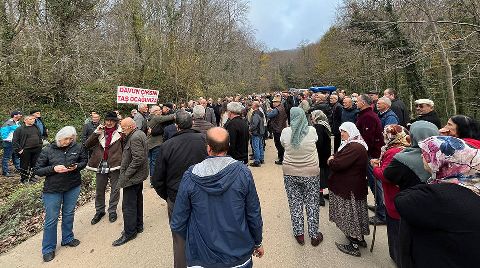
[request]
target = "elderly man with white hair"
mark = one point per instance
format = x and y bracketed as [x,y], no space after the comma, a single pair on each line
[141,116]
[386,115]
[209,112]
[199,122]
[425,112]
[238,131]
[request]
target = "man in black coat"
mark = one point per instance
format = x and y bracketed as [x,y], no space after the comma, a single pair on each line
[425,111]
[337,109]
[187,147]
[237,128]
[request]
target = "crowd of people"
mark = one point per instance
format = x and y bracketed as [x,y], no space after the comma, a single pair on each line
[424,178]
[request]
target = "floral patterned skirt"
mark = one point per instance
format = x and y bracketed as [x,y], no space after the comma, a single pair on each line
[350,215]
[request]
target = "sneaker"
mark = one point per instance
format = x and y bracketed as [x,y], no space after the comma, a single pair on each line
[278,162]
[374,220]
[49,256]
[255,164]
[75,242]
[350,249]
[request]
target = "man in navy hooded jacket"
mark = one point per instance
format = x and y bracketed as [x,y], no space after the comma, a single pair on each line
[217,209]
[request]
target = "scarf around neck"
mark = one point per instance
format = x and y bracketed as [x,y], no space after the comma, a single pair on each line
[108,139]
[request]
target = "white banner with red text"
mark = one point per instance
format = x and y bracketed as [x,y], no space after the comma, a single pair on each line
[136,95]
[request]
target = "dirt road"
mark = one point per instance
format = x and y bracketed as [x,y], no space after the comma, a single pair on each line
[153,247]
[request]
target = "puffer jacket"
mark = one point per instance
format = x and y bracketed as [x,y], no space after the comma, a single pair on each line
[51,156]
[96,143]
[134,167]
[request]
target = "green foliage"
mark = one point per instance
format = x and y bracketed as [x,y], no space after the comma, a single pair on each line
[21,213]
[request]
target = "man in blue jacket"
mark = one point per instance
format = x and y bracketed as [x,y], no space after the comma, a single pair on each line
[7,135]
[386,115]
[217,209]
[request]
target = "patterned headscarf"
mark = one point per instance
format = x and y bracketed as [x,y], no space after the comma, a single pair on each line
[395,136]
[299,125]
[318,117]
[452,161]
[353,133]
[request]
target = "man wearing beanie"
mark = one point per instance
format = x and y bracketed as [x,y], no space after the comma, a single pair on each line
[105,160]
[7,135]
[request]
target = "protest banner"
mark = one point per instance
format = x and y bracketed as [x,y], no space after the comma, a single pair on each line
[136,95]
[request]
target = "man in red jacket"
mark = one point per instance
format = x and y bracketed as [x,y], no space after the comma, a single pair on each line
[371,130]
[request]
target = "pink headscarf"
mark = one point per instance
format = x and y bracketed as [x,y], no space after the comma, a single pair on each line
[452,161]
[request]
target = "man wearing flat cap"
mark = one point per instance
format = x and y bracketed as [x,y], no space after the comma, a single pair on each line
[425,111]
[105,159]
[278,121]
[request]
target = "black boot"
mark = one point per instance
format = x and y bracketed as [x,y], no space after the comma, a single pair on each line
[322,200]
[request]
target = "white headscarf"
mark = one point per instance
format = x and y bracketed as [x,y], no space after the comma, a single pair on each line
[353,133]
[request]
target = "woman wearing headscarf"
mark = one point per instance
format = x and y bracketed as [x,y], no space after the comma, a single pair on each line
[348,189]
[301,175]
[442,215]
[60,163]
[396,139]
[324,148]
[406,169]
[463,127]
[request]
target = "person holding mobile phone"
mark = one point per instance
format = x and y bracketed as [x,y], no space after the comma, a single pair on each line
[60,163]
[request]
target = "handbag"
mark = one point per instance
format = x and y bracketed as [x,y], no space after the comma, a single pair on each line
[103,167]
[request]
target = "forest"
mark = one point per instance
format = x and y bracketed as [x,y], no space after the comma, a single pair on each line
[67,57]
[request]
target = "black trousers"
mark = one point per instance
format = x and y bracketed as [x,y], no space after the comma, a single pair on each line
[28,159]
[393,232]
[278,145]
[132,207]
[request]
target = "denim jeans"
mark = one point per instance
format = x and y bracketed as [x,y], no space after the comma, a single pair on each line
[379,196]
[257,146]
[7,155]
[152,157]
[53,202]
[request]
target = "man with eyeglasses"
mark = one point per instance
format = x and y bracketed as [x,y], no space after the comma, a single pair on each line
[425,111]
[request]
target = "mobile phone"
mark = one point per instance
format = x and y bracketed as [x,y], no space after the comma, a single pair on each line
[71,165]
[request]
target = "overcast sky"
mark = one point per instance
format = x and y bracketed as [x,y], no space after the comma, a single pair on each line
[283,24]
